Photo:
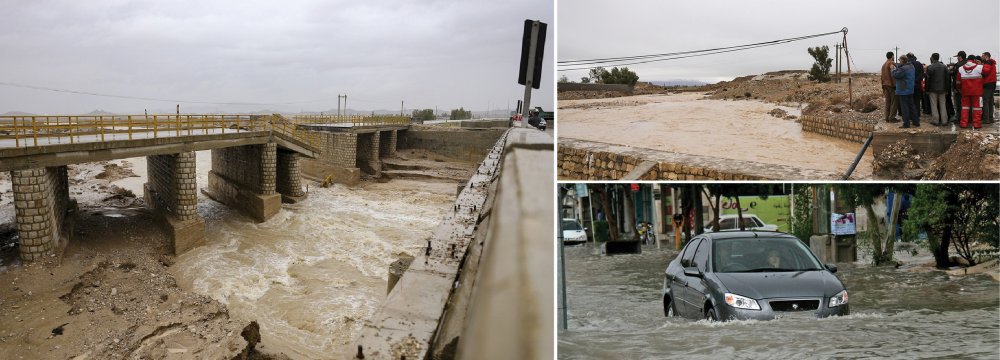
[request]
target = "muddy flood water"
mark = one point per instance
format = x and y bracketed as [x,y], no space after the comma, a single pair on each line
[688,124]
[615,312]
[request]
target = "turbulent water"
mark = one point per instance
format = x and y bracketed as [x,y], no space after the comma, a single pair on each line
[312,274]
[616,312]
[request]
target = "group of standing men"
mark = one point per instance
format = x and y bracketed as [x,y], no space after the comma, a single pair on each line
[907,83]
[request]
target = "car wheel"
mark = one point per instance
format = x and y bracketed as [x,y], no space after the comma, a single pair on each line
[711,315]
[668,307]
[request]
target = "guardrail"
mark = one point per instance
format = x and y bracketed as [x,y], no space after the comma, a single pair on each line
[39,130]
[353,120]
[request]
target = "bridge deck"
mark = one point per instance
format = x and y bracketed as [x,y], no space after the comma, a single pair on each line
[34,141]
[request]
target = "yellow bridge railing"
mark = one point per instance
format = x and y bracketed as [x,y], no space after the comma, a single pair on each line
[40,130]
[353,120]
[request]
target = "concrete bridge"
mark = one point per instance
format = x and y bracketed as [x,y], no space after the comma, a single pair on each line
[255,164]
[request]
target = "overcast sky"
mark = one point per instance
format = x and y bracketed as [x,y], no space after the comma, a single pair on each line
[591,29]
[444,54]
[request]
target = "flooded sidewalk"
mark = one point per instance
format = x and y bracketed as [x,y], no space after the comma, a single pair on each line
[616,312]
[688,124]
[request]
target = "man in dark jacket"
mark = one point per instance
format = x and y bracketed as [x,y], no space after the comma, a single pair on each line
[889,89]
[989,86]
[937,88]
[904,75]
[957,85]
[918,80]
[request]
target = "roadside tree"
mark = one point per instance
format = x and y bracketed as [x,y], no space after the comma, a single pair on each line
[956,215]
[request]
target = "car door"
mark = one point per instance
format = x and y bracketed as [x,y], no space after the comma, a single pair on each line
[682,293]
[698,289]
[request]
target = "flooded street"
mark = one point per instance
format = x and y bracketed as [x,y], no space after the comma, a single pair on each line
[688,124]
[616,312]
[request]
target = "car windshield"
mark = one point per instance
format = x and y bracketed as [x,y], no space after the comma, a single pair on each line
[570,225]
[762,255]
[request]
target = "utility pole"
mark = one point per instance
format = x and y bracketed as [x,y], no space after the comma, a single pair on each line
[401,108]
[838,61]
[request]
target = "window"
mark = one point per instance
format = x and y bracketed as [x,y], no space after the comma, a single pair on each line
[752,222]
[689,253]
[701,256]
[727,223]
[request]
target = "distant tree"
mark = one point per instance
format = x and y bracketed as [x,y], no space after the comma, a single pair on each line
[460,114]
[585,80]
[563,79]
[596,74]
[619,76]
[821,68]
[425,114]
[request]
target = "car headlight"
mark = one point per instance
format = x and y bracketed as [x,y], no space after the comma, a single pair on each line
[839,299]
[741,302]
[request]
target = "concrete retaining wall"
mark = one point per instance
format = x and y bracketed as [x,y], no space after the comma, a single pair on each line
[41,204]
[590,160]
[594,87]
[465,144]
[842,129]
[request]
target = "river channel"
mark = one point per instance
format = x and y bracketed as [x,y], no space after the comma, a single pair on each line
[615,312]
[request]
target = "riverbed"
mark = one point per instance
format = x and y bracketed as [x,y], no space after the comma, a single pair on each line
[616,312]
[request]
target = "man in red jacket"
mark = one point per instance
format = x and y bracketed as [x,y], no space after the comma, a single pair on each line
[971,76]
[989,86]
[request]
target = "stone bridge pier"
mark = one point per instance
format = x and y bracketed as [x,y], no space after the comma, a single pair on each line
[42,209]
[172,194]
[255,179]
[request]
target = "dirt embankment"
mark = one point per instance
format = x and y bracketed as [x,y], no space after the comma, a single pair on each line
[110,295]
[973,156]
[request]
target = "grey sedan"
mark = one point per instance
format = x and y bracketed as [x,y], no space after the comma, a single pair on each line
[743,275]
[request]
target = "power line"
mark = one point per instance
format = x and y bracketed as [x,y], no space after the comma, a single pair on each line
[79,92]
[620,61]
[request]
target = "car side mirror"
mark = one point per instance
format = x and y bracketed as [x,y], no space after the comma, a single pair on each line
[692,271]
[832,268]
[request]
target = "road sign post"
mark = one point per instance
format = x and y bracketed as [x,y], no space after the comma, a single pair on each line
[532,53]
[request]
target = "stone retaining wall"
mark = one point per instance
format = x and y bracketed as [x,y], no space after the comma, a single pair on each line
[839,128]
[589,160]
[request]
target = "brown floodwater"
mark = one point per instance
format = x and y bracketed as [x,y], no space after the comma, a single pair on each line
[684,123]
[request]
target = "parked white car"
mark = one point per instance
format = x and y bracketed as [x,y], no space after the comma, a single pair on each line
[751,221]
[573,232]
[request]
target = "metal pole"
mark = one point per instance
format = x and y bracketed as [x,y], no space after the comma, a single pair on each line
[530,73]
[562,264]
[590,201]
